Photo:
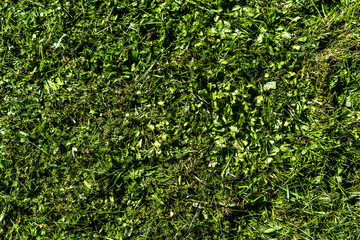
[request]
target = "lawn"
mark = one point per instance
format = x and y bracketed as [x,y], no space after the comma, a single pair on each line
[184,119]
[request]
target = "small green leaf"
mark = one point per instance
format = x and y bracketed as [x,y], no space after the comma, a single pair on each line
[270,85]
[234,129]
[236,7]
[87,184]
[204,94]
[302,39]
[271,230]
[285,35]
[296,47]
[222,61]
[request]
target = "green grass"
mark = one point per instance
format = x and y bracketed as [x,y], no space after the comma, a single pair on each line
[185,119]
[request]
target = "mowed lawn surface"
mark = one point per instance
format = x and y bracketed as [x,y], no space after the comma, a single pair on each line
[158,119]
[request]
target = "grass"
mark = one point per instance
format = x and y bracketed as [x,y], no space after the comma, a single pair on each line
[179,119]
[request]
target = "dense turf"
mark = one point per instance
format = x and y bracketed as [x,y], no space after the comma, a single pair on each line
[188,119]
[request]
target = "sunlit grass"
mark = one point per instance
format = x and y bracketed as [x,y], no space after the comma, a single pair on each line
[169,120]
